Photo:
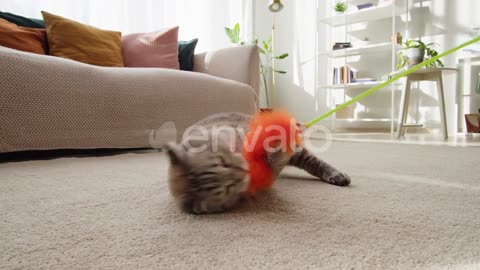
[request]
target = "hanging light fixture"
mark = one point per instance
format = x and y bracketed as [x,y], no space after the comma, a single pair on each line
[275,5]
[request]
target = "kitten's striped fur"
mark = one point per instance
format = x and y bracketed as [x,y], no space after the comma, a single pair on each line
[212,181]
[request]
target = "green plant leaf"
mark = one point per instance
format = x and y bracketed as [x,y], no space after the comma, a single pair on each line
[402,60]
[265,45]
[282,56]
[341,6]
[421,44]
[411,43]
[280,71]
[228,32]
[236,30]
[261,50]
[233,33]
[234,38]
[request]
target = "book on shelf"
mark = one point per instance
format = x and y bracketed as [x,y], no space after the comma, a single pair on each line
[365,5]
[344,75]
[341,45]
[364,80]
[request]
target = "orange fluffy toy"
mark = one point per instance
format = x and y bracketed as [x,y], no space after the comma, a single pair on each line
[269,129]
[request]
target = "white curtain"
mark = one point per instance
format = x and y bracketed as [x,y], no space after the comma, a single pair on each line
[203,19]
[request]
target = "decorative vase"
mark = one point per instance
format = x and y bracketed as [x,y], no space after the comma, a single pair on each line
[473,123]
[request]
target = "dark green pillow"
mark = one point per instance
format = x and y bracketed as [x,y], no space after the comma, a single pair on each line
[186,50]
[22,21]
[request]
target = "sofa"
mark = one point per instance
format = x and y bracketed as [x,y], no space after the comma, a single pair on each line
[49,102]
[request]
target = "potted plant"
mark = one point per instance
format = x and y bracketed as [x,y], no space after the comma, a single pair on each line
[266,51]
[415,53]
[340,7]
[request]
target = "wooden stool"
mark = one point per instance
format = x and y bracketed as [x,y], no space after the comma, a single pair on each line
[426,74]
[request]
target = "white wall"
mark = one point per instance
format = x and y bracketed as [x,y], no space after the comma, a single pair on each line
[445,22]
[202,19]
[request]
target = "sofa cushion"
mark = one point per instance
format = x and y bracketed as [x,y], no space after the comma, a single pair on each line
[83,43]
[186,50]
[22,21]
[22,38]
[156,49]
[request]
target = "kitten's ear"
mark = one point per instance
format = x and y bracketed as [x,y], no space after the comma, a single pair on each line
[176,153]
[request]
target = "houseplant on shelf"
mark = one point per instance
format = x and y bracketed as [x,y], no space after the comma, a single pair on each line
[266,52]
[340,7]
[416,52]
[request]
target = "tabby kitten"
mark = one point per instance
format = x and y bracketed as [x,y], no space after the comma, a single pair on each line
[208,176]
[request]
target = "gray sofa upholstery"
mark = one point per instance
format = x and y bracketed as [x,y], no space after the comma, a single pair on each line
[54,103]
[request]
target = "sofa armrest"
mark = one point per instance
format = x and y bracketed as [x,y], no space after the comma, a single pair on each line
[240,64]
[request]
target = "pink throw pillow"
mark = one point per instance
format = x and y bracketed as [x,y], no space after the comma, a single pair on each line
[156,49]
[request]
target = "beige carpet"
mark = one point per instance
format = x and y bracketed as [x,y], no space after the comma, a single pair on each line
[409,207]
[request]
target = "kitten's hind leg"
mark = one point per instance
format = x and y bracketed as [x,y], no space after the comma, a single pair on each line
[319,168]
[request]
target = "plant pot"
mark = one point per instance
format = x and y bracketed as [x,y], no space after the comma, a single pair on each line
[415,56]
[414,61]
[415,53]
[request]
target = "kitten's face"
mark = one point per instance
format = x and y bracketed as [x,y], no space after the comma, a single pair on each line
[206,182]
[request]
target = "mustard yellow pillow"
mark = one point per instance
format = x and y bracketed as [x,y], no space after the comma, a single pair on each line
[83,43]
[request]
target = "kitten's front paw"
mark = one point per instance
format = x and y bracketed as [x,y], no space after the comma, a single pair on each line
[340,179]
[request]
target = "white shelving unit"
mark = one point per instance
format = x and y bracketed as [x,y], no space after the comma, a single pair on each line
[356,85]
[389,49]
[368,49]
[364,15]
